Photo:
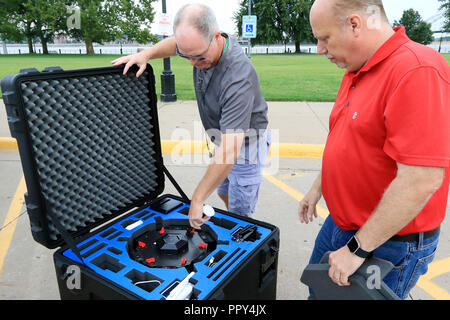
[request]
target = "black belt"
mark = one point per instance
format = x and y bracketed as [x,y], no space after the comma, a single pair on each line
[415,236]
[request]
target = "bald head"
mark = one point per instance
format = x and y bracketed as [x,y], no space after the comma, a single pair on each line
[372,10]
[199,17]
[321,10]
[344,8]
[349,32]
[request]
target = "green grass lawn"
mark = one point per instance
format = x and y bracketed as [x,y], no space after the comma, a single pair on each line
[283,77]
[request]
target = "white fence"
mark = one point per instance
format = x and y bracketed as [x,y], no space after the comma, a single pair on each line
[72,49]
[130,49]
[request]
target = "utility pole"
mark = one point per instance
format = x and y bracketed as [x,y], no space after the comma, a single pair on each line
[167,77]
[249,39]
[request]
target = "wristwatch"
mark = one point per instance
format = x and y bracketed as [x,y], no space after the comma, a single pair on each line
[355,248]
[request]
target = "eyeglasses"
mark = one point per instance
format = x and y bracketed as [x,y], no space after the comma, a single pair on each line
[198,58]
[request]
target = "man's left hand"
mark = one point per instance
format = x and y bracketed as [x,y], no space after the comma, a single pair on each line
[343,264]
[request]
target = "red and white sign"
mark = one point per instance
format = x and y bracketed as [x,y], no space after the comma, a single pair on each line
[165,24]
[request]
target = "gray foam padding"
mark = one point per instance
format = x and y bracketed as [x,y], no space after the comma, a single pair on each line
[92,142]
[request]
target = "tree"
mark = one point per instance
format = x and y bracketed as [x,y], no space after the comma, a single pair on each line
[279,21]
[446,8]
[113,19]
[100,20]
[416,29]
[270,20]
[48,17]
[298,25]
[15,25]
[8,29]
[32,19]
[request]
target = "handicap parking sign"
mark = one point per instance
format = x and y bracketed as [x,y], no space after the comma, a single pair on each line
[249,26]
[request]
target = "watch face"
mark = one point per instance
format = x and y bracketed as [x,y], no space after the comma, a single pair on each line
[353,245]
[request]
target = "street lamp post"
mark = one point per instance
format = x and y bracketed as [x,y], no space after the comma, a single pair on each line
[167,77]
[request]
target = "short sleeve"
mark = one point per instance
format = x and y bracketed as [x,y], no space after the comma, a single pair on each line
[236,102]
[417,119]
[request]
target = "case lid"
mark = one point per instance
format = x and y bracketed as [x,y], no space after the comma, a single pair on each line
[89,145]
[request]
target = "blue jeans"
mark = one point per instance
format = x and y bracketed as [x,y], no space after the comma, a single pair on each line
[410,259]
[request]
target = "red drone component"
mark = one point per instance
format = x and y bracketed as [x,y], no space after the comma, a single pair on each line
[162,231]
[202,245]
[150,260]
[183,261]
[192,231]
[141,244]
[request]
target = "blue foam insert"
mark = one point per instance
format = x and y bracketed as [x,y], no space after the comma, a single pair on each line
[168,276]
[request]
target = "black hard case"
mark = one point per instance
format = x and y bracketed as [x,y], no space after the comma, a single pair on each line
[86,138]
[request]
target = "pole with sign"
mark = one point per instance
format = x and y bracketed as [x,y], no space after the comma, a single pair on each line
[249,29]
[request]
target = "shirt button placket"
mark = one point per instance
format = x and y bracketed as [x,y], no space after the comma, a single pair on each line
[353,86]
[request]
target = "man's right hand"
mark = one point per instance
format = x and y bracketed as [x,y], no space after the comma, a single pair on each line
[307,210]
[138,59]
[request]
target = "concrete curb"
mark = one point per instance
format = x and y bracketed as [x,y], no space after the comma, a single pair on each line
[8,144]
[280,150]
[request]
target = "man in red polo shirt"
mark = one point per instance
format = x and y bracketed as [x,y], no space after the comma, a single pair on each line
[385,169]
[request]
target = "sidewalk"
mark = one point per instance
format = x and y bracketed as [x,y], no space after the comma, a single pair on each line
[28,272]
[296,122]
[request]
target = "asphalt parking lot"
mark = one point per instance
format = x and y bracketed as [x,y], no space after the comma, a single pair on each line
[26,267]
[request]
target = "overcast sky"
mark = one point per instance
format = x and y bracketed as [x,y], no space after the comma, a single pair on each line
[225,9]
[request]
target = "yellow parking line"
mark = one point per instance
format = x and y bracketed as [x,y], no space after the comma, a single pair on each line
[295,150]
[435,269]
[279,150]
[183,147]
[9,225]
[297,195]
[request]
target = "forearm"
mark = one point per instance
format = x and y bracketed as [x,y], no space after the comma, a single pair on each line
[402,201]
[163,49]
[307,209]
[317,185]
[221,165]
[213,177]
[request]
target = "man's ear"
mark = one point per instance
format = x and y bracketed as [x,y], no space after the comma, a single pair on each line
[355,22]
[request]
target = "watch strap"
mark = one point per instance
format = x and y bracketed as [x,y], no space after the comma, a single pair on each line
[355,248]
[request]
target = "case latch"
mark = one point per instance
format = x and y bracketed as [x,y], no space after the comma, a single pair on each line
[29,70]
[53,69]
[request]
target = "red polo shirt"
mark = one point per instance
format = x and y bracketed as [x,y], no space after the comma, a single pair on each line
[395,109]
